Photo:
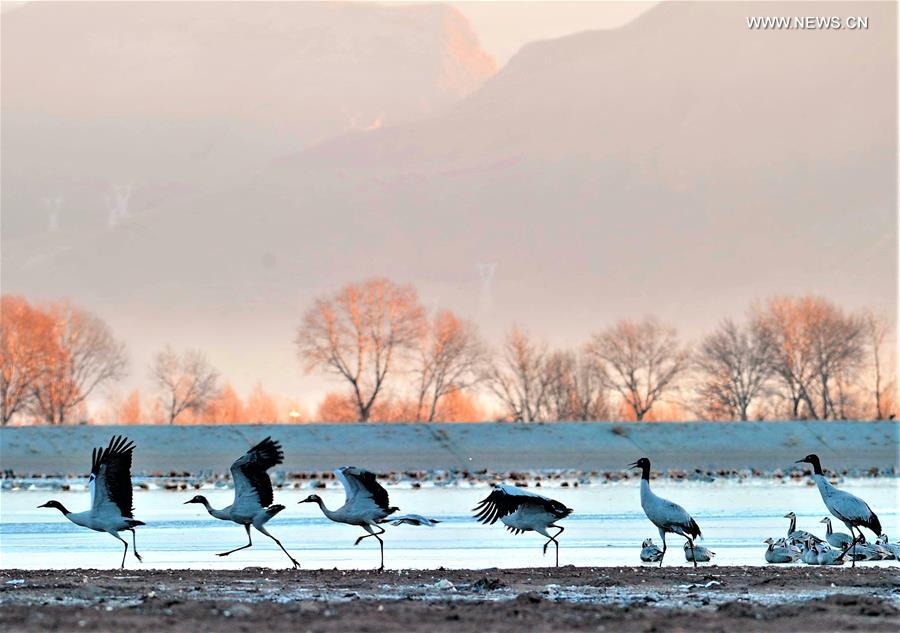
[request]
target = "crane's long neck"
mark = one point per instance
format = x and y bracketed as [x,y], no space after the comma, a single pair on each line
[793,526]
[646,493]
[218,514]
[822,484]
[331,515]
[828,531]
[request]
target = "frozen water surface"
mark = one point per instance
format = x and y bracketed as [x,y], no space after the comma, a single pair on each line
[606,529]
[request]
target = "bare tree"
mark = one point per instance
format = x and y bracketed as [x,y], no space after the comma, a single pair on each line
[818,348]
[877,328]
[80,356]
[23,333]
[360,333]
[794,364]
[519,377]
[186,381]
[450,358]
[576,387]
[641,361]
[735,362]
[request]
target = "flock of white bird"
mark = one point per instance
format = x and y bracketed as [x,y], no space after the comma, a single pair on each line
[803,546]
[367,506]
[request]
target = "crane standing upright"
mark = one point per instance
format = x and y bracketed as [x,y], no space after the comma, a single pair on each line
[668,517]
[850,509]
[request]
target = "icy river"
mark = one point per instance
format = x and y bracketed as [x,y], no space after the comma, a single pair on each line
[605,530]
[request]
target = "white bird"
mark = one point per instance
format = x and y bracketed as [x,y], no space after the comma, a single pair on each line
[796,536]
[836,539]
[850,509]
[522,511]
[650,552]
[697,554]
[252,493]
[665,515]
[808,552]
[780,552]
[111,495]
[867,551]
[366,505]
[413,519]
[892,548]
[827,556]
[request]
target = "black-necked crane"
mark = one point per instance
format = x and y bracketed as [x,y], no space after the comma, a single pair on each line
[111,495]
[253,497]
[522,511]
[667,516]
[850,509]
[366,505]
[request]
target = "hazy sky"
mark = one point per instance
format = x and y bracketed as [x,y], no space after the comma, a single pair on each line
[682,166]
[504,26]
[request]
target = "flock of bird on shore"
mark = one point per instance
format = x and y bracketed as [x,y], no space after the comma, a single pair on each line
[367,506]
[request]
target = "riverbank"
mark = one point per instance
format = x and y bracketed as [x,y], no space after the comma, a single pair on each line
[532,599]
[693,448]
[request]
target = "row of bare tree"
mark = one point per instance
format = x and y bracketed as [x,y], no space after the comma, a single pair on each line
[224,406]
[791,357]
[52,359]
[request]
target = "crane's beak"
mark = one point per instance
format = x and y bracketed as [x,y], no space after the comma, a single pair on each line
[787,516]
[187,502]
[800,461]
[633,465]
[44,505]
[304,501]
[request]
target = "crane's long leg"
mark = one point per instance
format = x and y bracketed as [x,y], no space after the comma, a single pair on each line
[368,529]
[553,539]
[236,549]
[851,549]
[663,553]
[693,555]
[263,530]
[125,543]
[381,549]
[134,549]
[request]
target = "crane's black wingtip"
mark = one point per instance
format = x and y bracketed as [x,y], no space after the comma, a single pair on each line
[695,529]
[118,445]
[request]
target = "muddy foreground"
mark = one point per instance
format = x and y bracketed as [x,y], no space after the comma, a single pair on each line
[570,598]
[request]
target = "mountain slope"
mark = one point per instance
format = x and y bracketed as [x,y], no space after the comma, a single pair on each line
[168,100]
[681,165]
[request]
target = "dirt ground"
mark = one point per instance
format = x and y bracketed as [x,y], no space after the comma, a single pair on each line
[564,599]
